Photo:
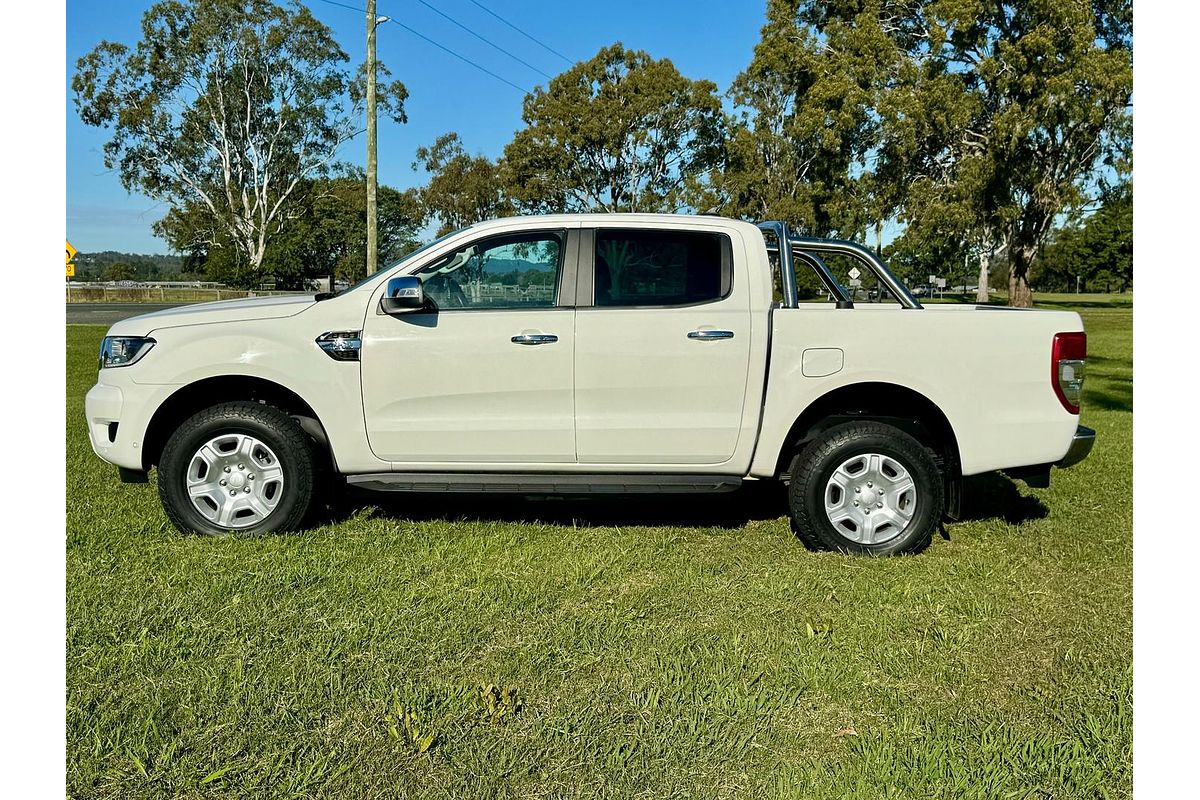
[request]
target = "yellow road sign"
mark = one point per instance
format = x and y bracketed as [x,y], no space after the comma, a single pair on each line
[70,270]
[70,252]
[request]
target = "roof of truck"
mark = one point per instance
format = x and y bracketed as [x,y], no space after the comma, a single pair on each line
[602,218]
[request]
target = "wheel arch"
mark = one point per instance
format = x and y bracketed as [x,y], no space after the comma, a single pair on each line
[890,403]
[201,394]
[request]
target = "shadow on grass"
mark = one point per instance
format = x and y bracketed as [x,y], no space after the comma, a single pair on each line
[989,496]
[996,496]
[1116,396]
[730,510]
[1070,305]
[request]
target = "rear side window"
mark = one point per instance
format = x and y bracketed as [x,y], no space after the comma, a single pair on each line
[660,268]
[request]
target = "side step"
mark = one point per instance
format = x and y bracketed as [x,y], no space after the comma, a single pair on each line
[542,483]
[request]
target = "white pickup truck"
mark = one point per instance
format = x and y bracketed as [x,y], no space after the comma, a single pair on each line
[607,353]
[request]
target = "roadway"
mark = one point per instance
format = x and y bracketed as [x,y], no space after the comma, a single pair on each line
[108,313]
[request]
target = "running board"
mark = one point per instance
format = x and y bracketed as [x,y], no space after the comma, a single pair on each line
[542,483]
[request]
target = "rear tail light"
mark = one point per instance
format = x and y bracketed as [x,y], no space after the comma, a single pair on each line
[1068,359]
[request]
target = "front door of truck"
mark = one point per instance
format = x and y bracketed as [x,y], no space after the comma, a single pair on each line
[487,379]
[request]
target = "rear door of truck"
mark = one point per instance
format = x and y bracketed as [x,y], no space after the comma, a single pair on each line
[662,347]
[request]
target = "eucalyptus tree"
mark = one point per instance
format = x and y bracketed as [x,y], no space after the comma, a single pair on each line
[797,146]
[229,105]
[462,189]
[326,235]
[618,132]
[976,122]
[1003,116]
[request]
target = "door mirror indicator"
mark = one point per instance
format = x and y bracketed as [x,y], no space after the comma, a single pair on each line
[404,295]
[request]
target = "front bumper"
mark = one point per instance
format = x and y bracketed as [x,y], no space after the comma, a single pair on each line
[118,413]
[103,407]
[1081,445]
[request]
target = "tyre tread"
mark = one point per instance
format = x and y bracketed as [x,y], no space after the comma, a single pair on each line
[294,439]
[816,534]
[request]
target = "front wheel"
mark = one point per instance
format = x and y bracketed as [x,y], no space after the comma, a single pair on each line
[865,487]
[240,467]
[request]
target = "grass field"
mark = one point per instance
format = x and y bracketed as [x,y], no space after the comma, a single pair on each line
[610,648]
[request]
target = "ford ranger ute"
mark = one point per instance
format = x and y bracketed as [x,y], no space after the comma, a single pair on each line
[597,353]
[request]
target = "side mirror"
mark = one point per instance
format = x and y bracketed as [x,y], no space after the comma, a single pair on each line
[403,296]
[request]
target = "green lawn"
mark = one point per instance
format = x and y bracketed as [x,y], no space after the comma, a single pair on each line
[516,648]
[1060,300]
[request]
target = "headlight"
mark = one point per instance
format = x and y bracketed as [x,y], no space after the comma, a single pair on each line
[121,351]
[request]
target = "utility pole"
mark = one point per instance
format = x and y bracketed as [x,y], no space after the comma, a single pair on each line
[372,157]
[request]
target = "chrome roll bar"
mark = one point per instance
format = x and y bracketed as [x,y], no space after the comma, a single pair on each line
[809,248]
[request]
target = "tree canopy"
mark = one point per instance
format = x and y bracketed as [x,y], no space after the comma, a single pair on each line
[462,189]
[977,123]
[1000,116]
[327,237]
[618,132]
[797,144]
[1096,254]
[225,108]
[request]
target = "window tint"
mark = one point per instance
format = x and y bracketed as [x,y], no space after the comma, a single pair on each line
[659,268]
[518,271]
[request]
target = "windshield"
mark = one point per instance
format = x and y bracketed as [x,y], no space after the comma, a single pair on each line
[399,260]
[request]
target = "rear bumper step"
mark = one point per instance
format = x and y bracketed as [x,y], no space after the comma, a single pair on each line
[542,483]
[1081,445]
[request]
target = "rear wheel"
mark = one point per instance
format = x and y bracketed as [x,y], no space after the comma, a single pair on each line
[865,487]
[240,467]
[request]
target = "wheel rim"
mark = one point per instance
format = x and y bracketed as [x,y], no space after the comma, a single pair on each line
[870,498]
[235,481]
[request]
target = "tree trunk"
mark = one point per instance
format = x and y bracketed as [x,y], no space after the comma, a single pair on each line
[1020,260]
[985,271]
[1020,295]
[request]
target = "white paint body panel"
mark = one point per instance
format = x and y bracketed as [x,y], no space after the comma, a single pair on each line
[988,370]
[623,390]
[646,394]
[453,387]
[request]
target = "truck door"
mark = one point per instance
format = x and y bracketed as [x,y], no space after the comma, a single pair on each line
[487,378]
[662,344]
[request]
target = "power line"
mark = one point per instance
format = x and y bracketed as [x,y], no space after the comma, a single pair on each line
[343,5]
[461,58]
[437,11]
[435,44]
[523,33]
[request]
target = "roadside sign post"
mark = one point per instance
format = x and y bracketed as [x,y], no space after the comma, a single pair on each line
[854,281]
[70,268]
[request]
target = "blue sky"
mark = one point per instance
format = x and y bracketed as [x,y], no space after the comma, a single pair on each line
[711,39]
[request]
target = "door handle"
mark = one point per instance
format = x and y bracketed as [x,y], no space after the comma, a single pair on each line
[707,335]
[535,338]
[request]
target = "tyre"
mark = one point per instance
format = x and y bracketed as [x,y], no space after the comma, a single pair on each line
[865,487]
[240,467]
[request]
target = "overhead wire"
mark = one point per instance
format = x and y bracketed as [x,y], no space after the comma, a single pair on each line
[438,45]
[528,36]
[483,39]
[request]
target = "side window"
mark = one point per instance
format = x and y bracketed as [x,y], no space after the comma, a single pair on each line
[515,271]
[660,268]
